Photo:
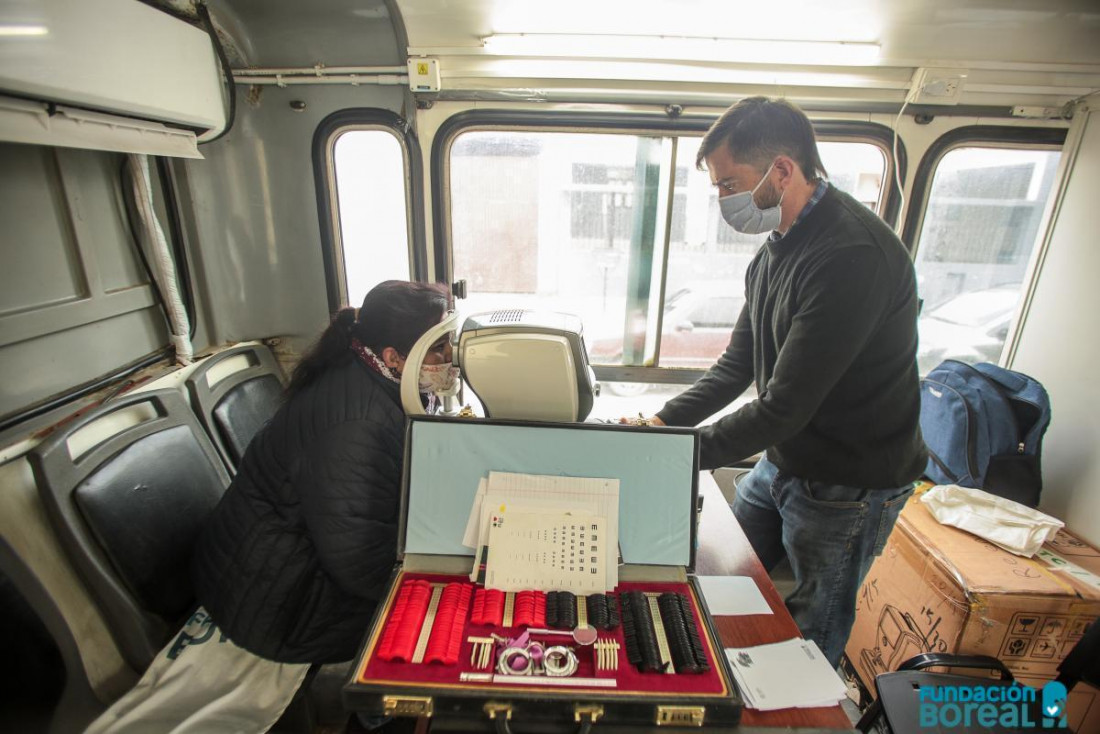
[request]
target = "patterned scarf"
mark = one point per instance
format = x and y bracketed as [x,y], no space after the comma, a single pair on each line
[373,361]
[375,364]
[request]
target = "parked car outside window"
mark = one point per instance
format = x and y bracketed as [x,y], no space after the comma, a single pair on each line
[971,327]
[698,321]
[695,330]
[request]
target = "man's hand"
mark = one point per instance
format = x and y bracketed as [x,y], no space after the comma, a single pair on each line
[642,421]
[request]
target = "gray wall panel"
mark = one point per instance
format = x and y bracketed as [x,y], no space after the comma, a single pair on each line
[38,258]
[103,214]
[75,303]
[38,368]
[1058,346]
[256,215]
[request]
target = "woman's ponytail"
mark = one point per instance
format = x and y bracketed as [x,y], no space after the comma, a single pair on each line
[332,348]
[343,323]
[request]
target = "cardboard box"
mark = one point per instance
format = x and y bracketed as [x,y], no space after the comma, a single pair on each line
[939,589]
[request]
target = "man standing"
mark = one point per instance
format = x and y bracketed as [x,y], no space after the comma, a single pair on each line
[829,333]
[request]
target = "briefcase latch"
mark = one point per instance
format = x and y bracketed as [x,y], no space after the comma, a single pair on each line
[407,705]
[680,715]
[494,709]
[587,712]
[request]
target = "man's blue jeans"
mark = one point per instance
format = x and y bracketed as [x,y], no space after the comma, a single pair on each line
[831,533]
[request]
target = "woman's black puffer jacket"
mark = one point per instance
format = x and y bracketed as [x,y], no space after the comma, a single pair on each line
[296,555]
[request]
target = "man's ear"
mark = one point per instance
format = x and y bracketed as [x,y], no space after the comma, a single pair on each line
[393,359]
[786,167]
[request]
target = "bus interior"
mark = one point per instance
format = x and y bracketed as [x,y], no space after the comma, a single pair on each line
[184,179]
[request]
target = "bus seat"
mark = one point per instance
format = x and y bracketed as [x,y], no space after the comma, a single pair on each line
[235,393]
[127,488]
[47,689]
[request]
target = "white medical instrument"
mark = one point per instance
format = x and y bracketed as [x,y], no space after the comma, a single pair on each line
[521,364]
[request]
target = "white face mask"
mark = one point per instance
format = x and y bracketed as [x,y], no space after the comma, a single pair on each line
[741,212]
[441,379]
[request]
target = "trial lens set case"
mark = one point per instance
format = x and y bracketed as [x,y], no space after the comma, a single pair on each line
[657,469]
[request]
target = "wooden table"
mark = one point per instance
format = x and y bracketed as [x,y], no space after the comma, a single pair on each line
[725,551]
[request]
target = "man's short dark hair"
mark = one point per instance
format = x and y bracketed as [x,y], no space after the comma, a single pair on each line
[757,129]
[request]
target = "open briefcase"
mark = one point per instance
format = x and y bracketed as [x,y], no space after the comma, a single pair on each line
[645,654]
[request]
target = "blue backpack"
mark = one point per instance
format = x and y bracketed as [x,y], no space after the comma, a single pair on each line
[984,427]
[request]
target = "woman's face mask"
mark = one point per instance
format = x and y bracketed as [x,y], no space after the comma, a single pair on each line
[439,378]
[741,212]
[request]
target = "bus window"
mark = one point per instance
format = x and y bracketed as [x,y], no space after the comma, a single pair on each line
[545,220]
[556,220]
[373,211]
[980,227]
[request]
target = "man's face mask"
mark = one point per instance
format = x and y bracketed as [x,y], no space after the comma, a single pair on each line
[439,378]
[741,212]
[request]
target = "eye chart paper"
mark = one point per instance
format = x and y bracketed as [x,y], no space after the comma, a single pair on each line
[552,552]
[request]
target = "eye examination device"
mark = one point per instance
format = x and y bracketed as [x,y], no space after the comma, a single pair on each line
[521,364]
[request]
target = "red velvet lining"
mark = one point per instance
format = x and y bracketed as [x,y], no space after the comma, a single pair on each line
[372,670]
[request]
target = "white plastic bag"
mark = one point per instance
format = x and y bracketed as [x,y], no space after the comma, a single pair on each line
[1016,528]
[202,683]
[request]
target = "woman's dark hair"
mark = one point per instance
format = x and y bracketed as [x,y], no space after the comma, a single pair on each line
[757,129]
[395,313]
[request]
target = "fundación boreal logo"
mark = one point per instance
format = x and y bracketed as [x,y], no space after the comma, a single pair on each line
[986,706]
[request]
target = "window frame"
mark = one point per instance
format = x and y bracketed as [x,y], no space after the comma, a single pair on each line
[325,136]
[969,136]
[979,136]
[637,123]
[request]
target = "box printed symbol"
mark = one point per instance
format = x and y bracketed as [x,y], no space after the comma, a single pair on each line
[1015,647]
[1079,625]
[1044,649]
[1053,627]
[1024,624]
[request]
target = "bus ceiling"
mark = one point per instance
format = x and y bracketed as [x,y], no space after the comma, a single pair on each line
[861,54]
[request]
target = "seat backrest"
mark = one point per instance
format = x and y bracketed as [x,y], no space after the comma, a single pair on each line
[128,487]
[235,393]
[46,669]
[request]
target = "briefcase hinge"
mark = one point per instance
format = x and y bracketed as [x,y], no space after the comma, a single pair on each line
[590,712]
[498,708]
[680,715]
[407,706]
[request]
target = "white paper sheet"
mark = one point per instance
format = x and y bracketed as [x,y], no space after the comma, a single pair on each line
[546,551]
[469,538]
[569,493]
[791,674]
[730,595]
[500,502]
[605,491]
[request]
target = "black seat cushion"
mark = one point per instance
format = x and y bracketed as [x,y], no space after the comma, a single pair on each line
[243,412]
[145,508]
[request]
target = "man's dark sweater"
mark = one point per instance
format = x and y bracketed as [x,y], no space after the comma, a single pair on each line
[829,330]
